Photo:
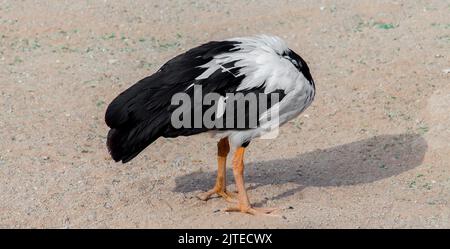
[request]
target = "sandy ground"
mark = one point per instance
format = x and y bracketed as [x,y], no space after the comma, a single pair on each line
[372,151]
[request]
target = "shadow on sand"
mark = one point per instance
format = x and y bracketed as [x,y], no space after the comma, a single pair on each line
[354,163]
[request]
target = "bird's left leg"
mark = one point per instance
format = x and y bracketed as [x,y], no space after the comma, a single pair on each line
[223,148]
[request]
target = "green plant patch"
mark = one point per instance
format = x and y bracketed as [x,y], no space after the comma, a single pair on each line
[385,25]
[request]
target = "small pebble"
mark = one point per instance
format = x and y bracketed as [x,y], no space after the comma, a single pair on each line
[112,61]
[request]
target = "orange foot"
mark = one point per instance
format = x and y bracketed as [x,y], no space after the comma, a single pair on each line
[252,210]
[228,196]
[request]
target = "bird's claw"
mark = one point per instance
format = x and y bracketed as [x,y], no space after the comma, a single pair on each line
[253,211]
[226,195]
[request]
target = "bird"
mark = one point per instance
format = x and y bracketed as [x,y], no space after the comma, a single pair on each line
[260,65]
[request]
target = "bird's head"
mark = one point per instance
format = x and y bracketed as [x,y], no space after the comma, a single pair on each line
[299,63]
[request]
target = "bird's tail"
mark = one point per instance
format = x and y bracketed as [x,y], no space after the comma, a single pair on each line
[113,142]
[126,143]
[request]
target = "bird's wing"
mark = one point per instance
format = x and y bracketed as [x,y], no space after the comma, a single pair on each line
[141,114]
[152,94]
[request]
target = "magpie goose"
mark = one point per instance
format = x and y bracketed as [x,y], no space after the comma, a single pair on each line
[260,65]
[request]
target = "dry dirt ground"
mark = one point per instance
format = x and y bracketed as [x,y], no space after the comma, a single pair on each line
[373,150]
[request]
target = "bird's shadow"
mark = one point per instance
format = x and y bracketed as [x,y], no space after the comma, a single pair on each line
[354,163]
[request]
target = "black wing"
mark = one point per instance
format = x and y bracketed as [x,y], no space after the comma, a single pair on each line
[139,115]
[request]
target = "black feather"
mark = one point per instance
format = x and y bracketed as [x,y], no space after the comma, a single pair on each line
[139,115]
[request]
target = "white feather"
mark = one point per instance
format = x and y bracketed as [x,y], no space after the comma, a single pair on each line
[220,107]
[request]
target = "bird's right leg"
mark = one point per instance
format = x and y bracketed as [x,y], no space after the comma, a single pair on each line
[223,148]
[244,204]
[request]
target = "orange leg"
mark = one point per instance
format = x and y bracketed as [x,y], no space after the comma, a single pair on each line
[238,171]
[223,148]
